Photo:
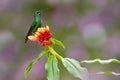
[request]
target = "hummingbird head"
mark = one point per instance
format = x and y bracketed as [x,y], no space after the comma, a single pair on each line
[38,13]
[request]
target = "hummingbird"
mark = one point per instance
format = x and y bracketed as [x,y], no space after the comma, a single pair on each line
[35,24]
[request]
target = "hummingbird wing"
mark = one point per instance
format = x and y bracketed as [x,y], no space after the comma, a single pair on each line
[30,30]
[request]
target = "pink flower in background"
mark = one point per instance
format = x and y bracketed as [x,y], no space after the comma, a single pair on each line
[92,30]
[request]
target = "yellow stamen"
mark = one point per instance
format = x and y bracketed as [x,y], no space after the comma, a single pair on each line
[47,27]
[42,30]
[37,33]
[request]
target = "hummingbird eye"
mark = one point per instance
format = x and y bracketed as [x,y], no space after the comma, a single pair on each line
[37,12]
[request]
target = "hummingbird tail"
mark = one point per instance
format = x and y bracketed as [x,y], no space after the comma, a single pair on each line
[26,39]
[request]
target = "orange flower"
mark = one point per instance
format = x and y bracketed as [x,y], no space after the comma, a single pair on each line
[42,35]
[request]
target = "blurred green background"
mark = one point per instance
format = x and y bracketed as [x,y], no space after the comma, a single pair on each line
[89,29]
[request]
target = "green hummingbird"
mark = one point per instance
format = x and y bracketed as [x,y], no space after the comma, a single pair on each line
[35,24]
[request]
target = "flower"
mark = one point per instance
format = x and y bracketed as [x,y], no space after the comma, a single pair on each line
[42,35]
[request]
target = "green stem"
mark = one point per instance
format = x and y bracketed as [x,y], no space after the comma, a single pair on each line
[54,52]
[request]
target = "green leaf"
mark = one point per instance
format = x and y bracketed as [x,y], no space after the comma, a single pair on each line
[101,61]
[109,73]
[31,64]
[51,67]
[75,69]
[57,42]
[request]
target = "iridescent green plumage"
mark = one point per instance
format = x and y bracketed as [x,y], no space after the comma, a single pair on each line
[35,24]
